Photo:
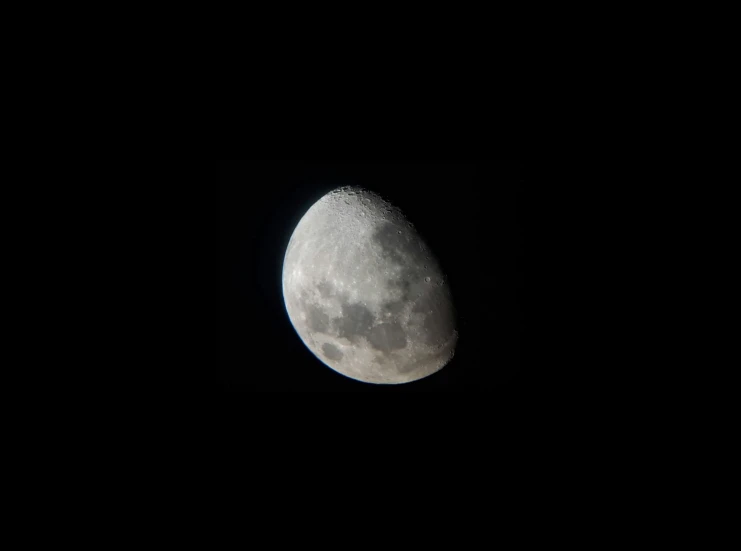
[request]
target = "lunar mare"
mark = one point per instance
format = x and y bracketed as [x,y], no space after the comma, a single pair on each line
[364,292]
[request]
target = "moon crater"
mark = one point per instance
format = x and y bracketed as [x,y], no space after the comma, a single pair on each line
[332,352]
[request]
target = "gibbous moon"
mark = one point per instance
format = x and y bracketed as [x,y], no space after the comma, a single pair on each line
[364,292]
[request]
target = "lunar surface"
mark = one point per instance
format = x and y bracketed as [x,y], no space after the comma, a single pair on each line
[364,292]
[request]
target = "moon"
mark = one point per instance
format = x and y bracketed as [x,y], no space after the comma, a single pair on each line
[364,292]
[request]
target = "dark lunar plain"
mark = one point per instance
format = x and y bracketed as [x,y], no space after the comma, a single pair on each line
[469,213]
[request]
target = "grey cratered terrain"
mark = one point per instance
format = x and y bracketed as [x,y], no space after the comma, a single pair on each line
[364,293]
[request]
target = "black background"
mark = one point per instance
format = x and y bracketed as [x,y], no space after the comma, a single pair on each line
[466,211]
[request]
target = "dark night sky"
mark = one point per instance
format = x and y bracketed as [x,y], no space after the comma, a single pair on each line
[466,211]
